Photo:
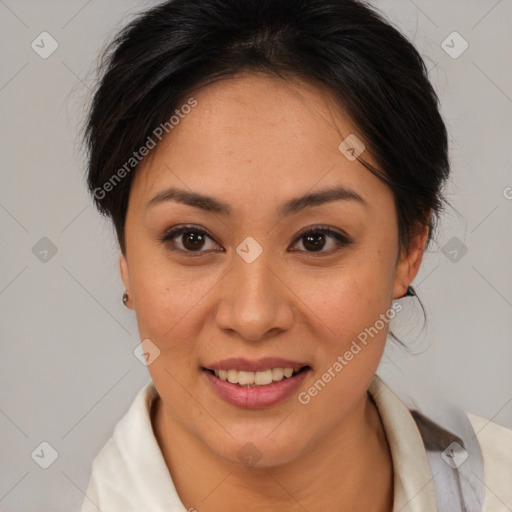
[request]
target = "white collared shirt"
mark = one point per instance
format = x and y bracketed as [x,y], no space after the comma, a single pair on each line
[130,474]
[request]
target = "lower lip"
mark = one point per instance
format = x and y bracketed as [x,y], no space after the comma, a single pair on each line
[256,397]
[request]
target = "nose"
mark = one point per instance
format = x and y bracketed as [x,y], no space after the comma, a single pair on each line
[255,302]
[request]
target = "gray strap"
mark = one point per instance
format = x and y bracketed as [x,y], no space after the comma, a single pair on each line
[455,459]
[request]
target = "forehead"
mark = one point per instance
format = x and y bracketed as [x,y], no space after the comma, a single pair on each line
[253,134]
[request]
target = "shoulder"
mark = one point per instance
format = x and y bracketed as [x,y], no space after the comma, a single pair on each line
[496,445]
[109,483]
[114,481]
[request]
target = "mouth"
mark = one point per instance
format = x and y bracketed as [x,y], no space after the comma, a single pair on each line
[251,385]
[254,379]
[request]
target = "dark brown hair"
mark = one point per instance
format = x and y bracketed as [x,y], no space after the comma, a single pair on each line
[374,71]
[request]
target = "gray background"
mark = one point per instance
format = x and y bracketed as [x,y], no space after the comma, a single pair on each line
[68,373]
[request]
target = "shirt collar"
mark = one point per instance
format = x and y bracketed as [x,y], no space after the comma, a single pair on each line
[414,489]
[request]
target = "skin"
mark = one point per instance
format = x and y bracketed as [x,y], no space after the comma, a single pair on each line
[255,141]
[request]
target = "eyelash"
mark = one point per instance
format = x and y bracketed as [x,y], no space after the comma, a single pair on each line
[341,240]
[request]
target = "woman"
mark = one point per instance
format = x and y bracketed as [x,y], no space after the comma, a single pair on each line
[274,172]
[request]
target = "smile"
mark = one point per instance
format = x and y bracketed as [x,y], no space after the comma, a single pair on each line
[253,379]
[256,389]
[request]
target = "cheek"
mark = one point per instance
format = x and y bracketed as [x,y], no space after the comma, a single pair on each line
[168,303]
[350,311]
[349,299]
[169,318]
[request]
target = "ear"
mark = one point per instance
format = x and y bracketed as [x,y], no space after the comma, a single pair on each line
[125,276]
[410,261]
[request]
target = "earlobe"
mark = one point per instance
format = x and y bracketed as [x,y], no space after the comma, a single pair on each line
[410,262]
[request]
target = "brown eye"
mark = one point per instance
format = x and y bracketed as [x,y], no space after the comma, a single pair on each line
[187,239]
[314,240]
[192,240]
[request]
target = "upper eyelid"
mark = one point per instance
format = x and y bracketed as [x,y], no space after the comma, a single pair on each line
[179,231]
[322,228]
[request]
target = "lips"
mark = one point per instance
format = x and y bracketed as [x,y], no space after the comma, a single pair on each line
[255,384]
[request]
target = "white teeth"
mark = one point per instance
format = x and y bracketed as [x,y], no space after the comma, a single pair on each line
[288,372]
[232,376]
[262,378]
[277,374]
[245,378]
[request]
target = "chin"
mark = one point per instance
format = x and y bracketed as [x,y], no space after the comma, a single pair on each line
[259,450]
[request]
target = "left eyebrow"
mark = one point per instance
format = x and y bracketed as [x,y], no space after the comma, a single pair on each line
[339,193]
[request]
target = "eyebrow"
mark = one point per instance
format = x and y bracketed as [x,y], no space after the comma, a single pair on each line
[213,205]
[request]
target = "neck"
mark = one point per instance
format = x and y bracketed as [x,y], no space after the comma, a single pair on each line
[348,470]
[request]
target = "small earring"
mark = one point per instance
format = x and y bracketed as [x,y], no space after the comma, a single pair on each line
[125,298]
[410,292]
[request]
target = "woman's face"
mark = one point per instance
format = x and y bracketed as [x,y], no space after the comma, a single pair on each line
[244,289]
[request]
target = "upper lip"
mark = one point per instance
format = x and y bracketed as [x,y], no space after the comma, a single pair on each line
[256,365]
